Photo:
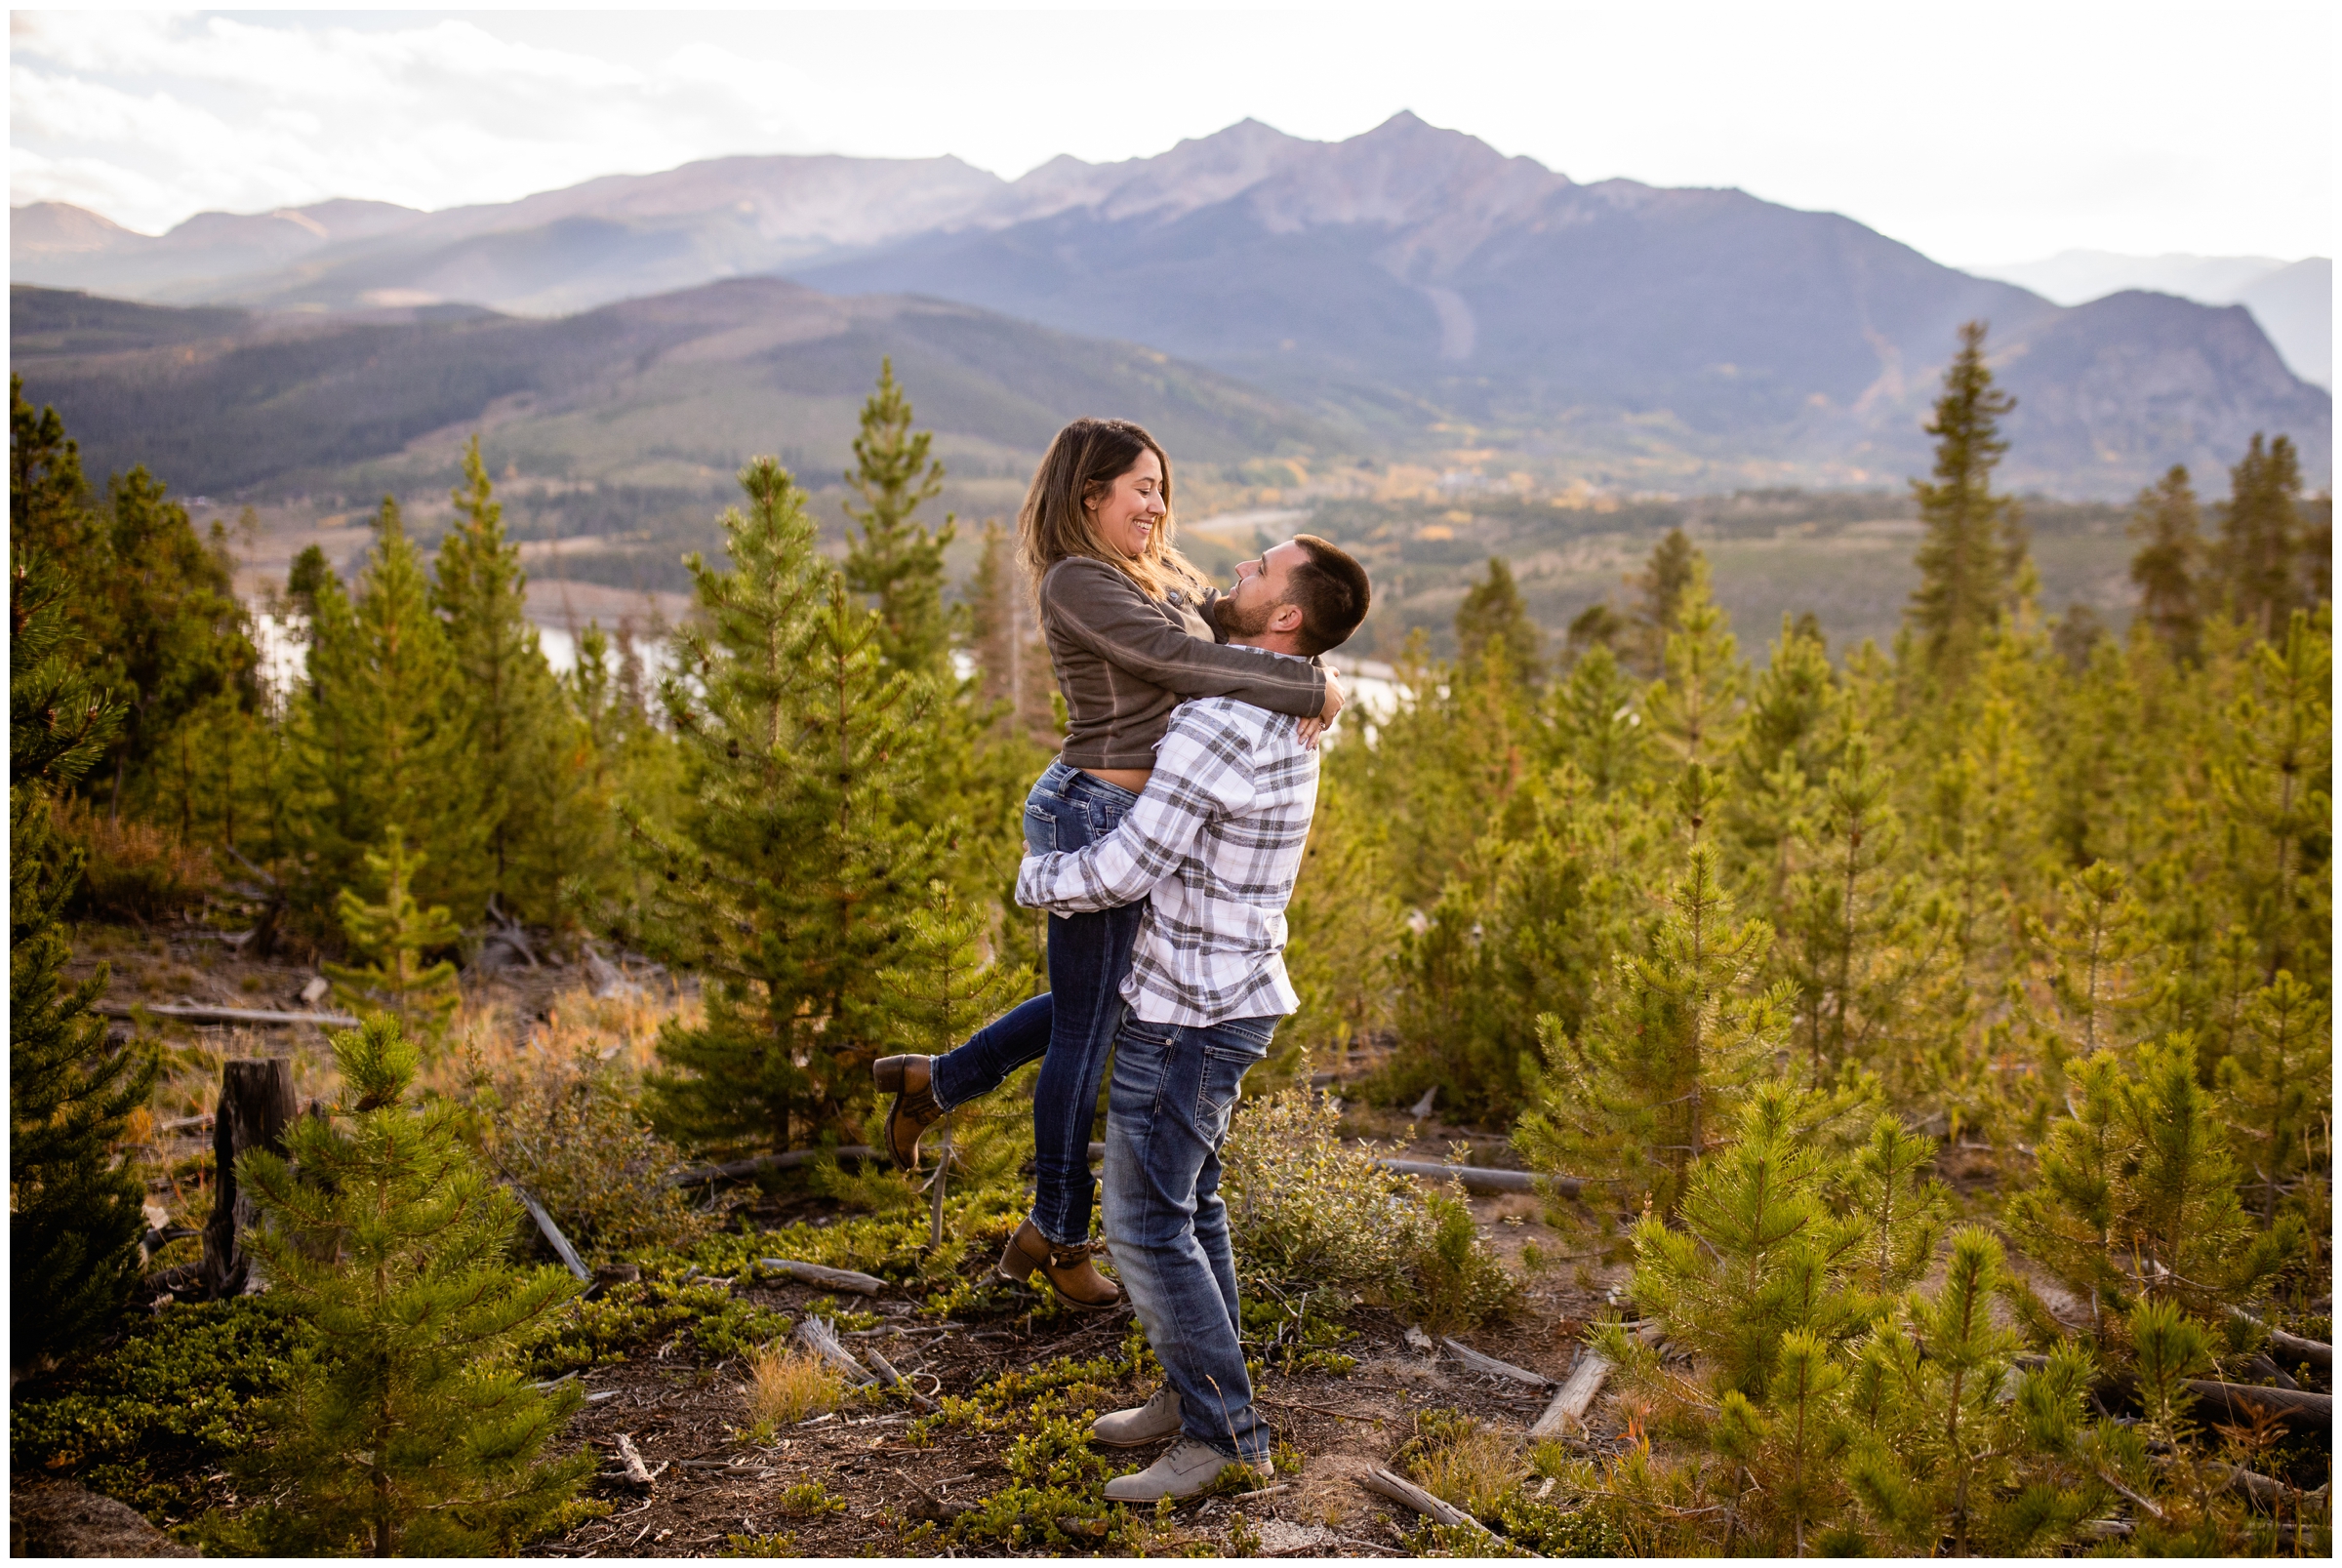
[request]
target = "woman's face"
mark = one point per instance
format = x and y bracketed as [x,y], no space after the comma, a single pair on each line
[1129,507]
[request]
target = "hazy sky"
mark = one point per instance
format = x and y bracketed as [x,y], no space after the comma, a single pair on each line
[1978,133]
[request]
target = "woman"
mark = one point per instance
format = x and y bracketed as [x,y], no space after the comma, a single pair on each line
[1130,636]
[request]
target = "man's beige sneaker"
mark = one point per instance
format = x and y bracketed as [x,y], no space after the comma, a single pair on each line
[1149,1423]
[1188,1468]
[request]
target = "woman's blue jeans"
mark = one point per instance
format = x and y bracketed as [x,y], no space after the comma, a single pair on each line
[1071,1029]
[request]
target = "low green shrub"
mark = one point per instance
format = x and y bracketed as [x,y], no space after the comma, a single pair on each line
[148,1420]
[1308,1212]
[568,1130]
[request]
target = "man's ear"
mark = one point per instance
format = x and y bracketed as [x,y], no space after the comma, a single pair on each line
[1286,617]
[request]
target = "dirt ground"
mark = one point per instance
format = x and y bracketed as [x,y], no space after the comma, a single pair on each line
[686,1418]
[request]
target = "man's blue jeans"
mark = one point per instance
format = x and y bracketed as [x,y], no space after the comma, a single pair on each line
[1071,1026]
[1166,1115]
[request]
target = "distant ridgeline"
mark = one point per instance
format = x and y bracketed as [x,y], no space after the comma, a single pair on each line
[1406,292]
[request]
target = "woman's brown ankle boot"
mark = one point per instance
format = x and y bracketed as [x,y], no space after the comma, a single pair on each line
[1069,1269]
[915,1110]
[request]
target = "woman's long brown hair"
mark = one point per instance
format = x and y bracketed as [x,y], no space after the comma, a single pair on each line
[1087,456]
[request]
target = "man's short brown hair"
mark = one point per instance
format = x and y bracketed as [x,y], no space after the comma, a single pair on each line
[1331,590]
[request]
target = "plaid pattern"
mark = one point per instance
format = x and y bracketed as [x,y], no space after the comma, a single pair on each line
[1216,840]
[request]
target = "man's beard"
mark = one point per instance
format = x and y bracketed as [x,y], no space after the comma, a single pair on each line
[1238,621]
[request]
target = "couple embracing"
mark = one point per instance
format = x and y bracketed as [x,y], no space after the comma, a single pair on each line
[1164,841]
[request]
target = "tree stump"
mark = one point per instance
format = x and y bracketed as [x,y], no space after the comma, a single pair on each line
[256,1106]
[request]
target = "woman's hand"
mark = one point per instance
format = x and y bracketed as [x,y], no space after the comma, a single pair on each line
[1312,729]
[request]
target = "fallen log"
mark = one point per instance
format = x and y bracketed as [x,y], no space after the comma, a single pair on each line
[2293,1346]
[1495,1368]
[2238,1402]
[815,1275]
[227,1015]
[742,1169]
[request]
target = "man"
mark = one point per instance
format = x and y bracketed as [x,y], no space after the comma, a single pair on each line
[1215,842]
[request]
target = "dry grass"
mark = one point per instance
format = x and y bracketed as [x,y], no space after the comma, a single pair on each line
[787,1386]
[1466,1463]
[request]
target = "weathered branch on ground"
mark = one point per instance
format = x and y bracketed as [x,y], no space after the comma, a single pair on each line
[815,1275]
[638,1474]
[1495,1368]
[552,1233]
[896,1380]
[1577,1394]
[742,1169]
[267,1015]
[819,1336]
[1399,1489]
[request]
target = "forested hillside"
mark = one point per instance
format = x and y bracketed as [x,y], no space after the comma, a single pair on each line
[1921,1050]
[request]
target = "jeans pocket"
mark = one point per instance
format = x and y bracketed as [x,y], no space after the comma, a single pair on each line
[1040,832]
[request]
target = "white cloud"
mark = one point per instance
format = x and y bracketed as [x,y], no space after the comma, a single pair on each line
[1995,133]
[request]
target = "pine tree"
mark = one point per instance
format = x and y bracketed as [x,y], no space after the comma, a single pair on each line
[1592,720]
[393,936]
[2168,569]
[1857,939]
[895,560]
[1672,1043]
[945,991]
[791,871]
[1758,1252]
[75,1217]
[2089,958]
[1004,634]
[1788,742]
[1973,558]
[1665,579]
[1492,612]
[1934,1446]
[421,1435]
[1695,709]
[1341,930]
[2135,1194]
[2273,775]
[2278,1086]
[525,760]
[379,735]
[2261,536]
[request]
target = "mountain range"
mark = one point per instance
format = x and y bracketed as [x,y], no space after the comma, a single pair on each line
[2292,301]
[1408,292]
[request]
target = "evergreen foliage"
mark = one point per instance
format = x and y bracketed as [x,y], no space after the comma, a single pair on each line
[1974,555]
[74,1219]
[1492,612]
[791,871]
[393,936]
[378,739]
[1658,610]
[2260,544]
[2168,569]
[895,560]
[416,1429]
[1673,1040]
[522,752]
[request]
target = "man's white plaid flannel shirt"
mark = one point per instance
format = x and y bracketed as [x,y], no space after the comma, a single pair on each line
[1216,838]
